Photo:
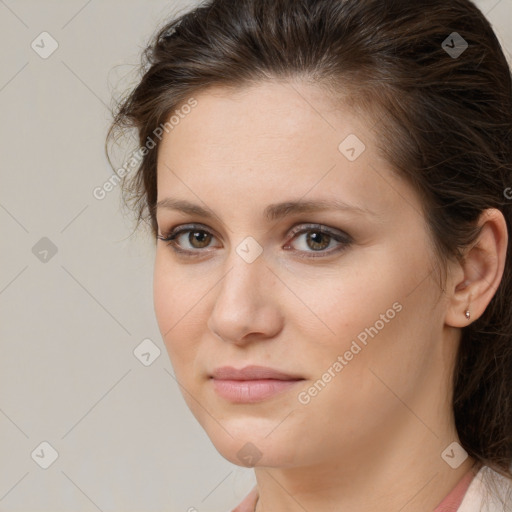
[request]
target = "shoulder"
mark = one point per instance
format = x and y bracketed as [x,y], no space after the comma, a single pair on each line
[489,491]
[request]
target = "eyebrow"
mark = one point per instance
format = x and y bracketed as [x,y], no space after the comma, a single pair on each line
[272,212]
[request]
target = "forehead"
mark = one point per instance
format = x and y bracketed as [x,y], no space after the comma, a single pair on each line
[265,112]
[261,143]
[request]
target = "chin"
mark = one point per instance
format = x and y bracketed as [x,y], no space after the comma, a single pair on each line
[247,442]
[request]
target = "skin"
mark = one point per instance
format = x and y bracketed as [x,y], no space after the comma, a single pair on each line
[372,438]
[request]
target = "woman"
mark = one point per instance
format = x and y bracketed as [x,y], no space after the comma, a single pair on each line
[327,182]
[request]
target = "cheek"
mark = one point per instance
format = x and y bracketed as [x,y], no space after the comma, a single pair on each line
[165,295]
[177,308]
[340,307]
[371,317]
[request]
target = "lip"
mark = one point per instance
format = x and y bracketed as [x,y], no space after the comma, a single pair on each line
[251,383]
[252,372]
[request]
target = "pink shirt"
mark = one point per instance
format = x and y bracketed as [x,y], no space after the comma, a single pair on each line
[450,503]
[454,498]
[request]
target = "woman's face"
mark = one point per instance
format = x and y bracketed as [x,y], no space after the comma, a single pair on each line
[344,299]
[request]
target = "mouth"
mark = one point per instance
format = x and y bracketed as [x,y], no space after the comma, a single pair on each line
[251,383]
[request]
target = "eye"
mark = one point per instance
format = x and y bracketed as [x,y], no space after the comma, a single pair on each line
[318,238]
[197,239]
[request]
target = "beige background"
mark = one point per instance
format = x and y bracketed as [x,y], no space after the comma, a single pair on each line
[69,325]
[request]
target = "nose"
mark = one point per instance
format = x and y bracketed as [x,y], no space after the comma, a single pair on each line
[246,305]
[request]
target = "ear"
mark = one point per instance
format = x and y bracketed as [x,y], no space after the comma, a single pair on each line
[473,283]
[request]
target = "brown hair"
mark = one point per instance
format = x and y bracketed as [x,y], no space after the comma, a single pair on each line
[443,121]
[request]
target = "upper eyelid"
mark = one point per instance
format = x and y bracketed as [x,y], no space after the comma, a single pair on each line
[297,228]
[305,226]
[188,227]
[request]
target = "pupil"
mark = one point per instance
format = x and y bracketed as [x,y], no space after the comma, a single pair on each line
[315,237]
[201,235]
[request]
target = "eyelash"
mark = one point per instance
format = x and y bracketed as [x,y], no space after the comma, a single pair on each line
[343,239]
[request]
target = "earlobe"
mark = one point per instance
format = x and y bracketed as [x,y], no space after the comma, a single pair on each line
[467,313]
[482,268]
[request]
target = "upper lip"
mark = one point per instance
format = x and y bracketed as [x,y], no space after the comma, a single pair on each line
[252,372]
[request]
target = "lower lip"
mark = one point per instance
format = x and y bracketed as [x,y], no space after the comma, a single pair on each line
[248,391]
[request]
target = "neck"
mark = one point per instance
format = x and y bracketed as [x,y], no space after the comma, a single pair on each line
[406,489]
[399,469]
